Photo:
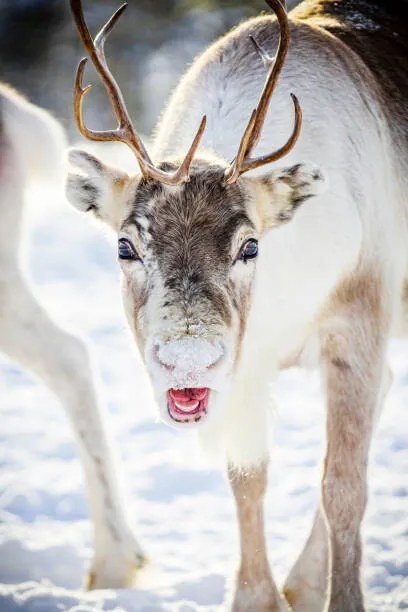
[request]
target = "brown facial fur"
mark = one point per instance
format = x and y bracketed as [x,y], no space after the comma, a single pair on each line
[188,233]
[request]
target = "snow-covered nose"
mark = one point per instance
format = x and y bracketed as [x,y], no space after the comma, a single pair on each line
[189,355]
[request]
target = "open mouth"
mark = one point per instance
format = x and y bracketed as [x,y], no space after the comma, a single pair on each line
[187,405]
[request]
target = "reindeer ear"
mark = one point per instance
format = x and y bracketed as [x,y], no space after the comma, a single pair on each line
[287,189]
[96,187]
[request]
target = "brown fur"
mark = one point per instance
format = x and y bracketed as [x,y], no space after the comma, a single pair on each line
[249,491]
[353,349]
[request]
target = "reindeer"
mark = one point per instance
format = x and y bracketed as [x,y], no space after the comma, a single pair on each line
[32,146]
[229,278]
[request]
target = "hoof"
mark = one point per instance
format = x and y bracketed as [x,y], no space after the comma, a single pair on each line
[303,598]
[113,572]
[258,599]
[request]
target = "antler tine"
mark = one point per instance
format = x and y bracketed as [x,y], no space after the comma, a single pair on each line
[181,175]
[233,172]
[79,95]
[100,38]
[250,139]
[251,164]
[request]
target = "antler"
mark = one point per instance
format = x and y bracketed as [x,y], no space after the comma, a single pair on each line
[125,131]
[243,162]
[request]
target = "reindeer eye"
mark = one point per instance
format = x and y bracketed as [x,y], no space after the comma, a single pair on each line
[249,250]
[126,250]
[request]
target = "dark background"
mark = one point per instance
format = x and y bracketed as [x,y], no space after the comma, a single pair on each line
[148,51]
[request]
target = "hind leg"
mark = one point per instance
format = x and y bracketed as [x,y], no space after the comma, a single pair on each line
[61,360]
[306,586]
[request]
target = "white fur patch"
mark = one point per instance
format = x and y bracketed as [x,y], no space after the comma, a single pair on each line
[97,187]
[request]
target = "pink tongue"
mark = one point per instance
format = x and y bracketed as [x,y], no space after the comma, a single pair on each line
[188,397]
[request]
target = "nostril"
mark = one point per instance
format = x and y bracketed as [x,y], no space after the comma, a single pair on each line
[156,354]
[217,361]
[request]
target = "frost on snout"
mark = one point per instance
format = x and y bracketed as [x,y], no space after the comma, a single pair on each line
[189,362]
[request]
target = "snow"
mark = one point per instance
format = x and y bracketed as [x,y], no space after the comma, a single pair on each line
[181,504]
[188,359]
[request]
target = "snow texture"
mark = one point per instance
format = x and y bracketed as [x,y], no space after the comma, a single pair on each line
[188,359]
[189,353]
[181,505]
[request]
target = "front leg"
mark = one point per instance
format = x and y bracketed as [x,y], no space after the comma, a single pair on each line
[255,588]
[30,337]
[353,359]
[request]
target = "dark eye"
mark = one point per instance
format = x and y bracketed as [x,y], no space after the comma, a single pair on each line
[126,250]
[249,250]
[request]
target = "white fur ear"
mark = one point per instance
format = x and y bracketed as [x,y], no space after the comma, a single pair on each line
[287,189]
[97,187]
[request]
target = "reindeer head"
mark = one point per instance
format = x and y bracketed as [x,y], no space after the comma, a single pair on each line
[188,238]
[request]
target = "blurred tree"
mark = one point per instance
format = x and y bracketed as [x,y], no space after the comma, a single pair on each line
[19,24]
[26,29]
[148,51]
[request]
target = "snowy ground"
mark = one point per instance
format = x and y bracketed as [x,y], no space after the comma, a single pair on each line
[182,506]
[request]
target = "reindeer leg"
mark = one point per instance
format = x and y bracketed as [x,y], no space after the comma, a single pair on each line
[353,348]
[306,586]
[255,588]
[31,338]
